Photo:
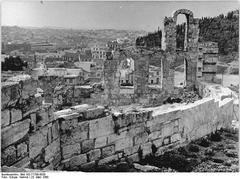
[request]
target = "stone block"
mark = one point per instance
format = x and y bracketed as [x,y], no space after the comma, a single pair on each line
[108,160]
[154,135]
[166,141]
[123,143]
[52,150]
[93,113]
[94,154]
[114,137]
[107,151]
[77,160]
[22,150]
[14,132]
[158,142]
[101,127]
[10,93]
[75,134]
[87,145]
[175,137]
[146,148]
[55,130]
[33,118]
[16,115]
[140,138]
[88,166]
[49,135]
[133,158]
[23,163]
[5,118]
[9,156]
[100,142]
[168,129]
[70,150]
[37,142]
[131,150]
[56,160]
[69,124]
[42,117]
[156,127]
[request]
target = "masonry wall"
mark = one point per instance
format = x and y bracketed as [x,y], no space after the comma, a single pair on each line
[84,136]
[97,136]
[29,133]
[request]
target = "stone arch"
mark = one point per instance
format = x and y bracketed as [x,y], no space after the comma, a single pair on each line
[189,19]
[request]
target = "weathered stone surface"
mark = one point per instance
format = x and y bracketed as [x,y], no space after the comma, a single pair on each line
[108,159]
[14,132]
[94,154]
[100,142]
[75,134]
[70,150]
[133,158]
[9,156]
[55,130]
[88,166]
[146,149]
[114,137]
[101,127]
[16,115]
[9,93]
[158,142]
[131,150]
[175,137]
[146,168]
[5,118]
[123,143]
[87,145]
[78,160]
[107,151]
[21,150]
[33,118]
[155,135]
[49,135]
[168,129]
[166,141]
[52,150]
[22,163]
[37,142]
[93,113]
[140,138]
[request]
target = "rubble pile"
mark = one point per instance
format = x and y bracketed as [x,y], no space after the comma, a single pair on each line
[184,97]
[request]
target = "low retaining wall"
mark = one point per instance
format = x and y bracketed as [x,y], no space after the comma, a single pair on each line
[84,136]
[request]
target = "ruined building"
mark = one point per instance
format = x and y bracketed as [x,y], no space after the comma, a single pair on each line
[140,90]
[83,137]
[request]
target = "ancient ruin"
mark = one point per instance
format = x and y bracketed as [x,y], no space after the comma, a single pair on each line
[37,136]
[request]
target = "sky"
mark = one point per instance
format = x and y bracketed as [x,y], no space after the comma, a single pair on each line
[129,15]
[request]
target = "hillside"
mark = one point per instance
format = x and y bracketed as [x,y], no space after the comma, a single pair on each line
[223,29]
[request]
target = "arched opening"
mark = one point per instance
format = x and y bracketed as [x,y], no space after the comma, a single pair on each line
[181,32]
[180,73]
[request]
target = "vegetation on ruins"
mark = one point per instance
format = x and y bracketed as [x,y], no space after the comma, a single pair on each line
[222,29]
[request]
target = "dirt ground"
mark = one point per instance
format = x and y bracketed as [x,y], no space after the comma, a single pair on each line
[214,153]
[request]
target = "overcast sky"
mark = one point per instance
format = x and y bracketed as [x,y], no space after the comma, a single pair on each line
[101,15]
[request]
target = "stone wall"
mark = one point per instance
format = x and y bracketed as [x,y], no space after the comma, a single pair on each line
[29,133]
[93,136]
[83,136]
[190,51]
